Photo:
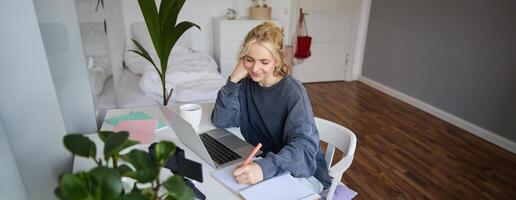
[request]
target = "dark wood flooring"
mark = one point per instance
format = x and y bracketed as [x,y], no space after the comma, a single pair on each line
[406,153]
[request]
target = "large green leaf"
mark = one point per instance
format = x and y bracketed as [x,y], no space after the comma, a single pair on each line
[125,170]
[115,143]
[169,15]
[80,145]
[164,33]
[59,193]
[142,52]
[103,135]
[152,19]
[148,192]
[144,165]
[168,11]
[171,36]
[130,143]
[73,187]
[163,150]
[134,196]
[109,183]
[177,188]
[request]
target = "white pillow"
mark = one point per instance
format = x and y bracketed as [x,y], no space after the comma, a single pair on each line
[141,34]
[137,64]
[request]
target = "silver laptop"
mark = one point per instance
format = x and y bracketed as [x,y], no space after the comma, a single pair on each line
[218,147]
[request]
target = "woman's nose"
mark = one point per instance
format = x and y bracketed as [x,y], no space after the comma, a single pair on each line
[255,68]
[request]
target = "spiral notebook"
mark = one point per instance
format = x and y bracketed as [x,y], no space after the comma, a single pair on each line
[272,188]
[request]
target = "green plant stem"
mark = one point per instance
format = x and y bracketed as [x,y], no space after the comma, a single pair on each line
[158,185]
[115,162]
[164,91]
[99,162]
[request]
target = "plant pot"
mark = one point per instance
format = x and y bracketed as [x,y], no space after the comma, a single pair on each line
[260,13]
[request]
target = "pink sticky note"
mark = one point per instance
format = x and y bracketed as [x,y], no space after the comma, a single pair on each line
[139,130]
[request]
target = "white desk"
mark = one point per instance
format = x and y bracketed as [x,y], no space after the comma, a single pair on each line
[210,187]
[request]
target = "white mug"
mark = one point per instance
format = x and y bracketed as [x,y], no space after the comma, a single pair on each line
[192,113]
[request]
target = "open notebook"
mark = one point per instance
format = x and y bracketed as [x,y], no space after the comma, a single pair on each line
[273,188]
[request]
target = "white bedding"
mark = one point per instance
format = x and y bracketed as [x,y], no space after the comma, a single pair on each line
[193,76]
[129,94]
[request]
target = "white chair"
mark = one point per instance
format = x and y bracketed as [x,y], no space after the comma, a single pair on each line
[341,138]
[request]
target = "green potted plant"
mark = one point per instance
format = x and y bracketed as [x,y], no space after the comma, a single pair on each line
[164,34]
[104,182]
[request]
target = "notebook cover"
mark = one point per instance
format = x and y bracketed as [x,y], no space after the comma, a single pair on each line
[139,130]
[134,116]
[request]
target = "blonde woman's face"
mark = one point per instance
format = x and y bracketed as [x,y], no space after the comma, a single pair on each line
[259,63]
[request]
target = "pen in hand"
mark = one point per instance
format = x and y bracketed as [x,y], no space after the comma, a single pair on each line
[247,172]
[252,154]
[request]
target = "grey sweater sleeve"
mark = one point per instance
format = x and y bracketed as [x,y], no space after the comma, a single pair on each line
[302,142]
[226,112]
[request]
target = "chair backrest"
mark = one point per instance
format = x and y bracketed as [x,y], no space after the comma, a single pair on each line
[338,137]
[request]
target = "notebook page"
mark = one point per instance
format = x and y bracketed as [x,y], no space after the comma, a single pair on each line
[225,176]
[284,187]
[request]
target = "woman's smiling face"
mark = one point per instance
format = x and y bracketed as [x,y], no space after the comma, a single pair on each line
[259,63]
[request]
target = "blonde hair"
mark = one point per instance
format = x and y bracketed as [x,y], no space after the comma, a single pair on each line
[270,37]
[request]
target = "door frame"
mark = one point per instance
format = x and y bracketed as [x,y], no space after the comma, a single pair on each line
[360,22]
[363,11]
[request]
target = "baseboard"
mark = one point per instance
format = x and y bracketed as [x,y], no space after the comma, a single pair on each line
[470,127]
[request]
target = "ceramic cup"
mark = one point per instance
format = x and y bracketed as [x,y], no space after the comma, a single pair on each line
[192,113]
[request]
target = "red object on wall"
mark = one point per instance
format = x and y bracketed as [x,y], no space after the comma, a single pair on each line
[303,40]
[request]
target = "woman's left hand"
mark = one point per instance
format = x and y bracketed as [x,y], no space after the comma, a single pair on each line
[248,174]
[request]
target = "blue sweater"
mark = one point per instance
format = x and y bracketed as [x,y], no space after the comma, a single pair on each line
[281,118]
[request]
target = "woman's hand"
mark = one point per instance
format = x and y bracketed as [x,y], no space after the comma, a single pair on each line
[238,73]
[248,174]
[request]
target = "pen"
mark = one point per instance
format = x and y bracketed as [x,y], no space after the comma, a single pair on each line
[252,153]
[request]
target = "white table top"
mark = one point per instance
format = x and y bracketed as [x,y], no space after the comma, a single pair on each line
[210,187]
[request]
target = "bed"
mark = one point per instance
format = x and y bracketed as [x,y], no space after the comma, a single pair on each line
[193,75]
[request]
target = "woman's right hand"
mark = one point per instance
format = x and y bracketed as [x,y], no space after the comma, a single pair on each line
[238,73]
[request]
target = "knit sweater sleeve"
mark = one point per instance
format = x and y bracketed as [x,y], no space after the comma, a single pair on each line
[301,139]
[226,112]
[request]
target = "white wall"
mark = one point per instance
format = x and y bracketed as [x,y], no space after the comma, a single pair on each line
[11,184]
[281,10]
[202,12]
[29,109]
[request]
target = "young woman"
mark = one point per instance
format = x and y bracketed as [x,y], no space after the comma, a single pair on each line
[271,108]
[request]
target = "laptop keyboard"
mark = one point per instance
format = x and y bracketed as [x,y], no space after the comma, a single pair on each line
[218,152]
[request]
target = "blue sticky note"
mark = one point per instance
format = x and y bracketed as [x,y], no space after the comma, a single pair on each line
[133,116]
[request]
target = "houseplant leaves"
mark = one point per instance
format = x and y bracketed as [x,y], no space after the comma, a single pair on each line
[80,145]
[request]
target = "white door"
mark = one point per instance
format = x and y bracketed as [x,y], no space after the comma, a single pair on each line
[329,23]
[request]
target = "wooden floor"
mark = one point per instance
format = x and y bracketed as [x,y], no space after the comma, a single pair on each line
[406,153]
